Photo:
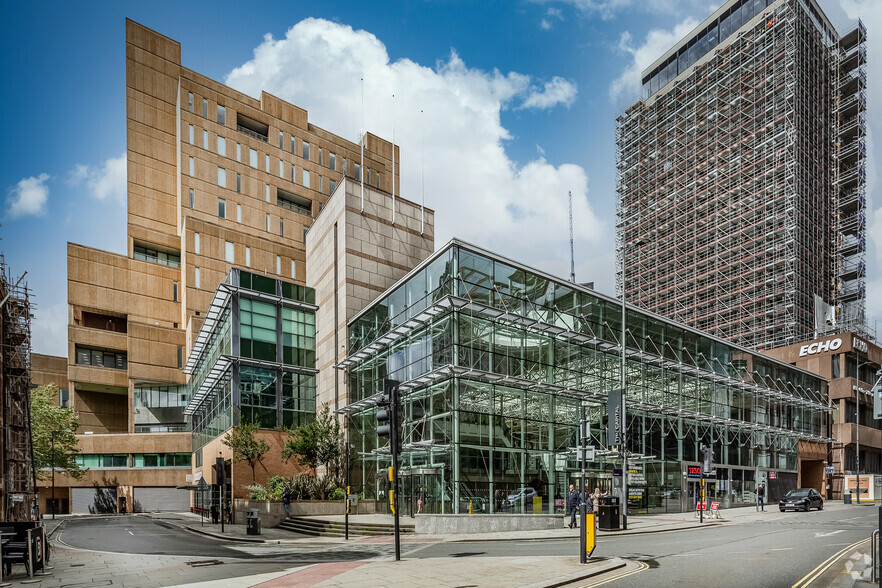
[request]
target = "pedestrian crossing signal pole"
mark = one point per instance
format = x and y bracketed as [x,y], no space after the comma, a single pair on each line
[389,425]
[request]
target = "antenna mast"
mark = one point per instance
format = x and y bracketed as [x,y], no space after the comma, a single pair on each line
[572,254]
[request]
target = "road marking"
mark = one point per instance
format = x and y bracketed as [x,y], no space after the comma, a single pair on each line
[781,549]
[829,534]
[825,565]
[130,533]
[641,567]
[685,554]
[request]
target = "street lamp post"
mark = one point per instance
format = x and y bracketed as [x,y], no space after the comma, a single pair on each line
[52,452]
[625,394]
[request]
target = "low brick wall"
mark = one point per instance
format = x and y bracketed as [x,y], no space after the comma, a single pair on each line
[272,512]
[479,523]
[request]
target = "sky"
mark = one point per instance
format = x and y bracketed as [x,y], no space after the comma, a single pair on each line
[500,109]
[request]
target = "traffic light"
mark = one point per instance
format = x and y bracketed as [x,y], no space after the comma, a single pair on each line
[220,471]
[388,417]
[877,396]
[707,459]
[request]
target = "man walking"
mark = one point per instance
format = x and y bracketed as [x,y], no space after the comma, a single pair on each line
[286,500]
[760,497]
[573,500]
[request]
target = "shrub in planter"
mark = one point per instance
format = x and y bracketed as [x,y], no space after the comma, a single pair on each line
[338,494]
[256,492]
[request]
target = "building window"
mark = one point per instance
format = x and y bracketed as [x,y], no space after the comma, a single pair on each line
[170,259]
[267,222]
[367,176]
[279,264]
[221,115]
[281,140]
[205,140]
[192,168]
[180,357]
[306,150]
[267,192]
[293,145]
[174,291]
[281,227]
[252,158]
[239,152]
[281,169]
[64,396]
[305,179]
[192,135]
[192,197]
[196,278]
[333,186]
[229,252]
[357,172]
[320,161]
[332,161]
[190,101]
[238,213]
[266,159]
[221,146]
[344,166]
[205,108]
[221,177]
[293,269]
[321,186]
[377,175]
[293,174]
[99,358]
[239,183]
[222,208]
[248,257]
[196,243]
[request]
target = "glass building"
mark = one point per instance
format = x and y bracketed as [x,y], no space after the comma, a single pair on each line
[496,360]
[254,358]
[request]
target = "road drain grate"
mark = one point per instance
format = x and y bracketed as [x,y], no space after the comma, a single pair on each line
[205,562]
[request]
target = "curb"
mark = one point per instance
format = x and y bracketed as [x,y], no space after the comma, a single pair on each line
[606,534]
[199,531]
[613,565]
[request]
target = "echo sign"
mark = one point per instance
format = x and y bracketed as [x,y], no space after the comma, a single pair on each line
[820,347]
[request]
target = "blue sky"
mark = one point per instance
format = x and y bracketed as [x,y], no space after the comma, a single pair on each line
[519,100]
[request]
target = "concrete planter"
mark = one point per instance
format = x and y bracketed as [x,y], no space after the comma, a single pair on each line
[272,512]
[479,523]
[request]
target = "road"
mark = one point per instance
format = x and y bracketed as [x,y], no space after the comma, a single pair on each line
[779,550]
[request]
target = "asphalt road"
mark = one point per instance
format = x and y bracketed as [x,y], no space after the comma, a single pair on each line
[777,551]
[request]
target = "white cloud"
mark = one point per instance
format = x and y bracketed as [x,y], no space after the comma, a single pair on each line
[557,91]
[657,41]
[28,197]
[478,192]
[551,13]
[107,182]
[544,24]
[49,332]
[609,9]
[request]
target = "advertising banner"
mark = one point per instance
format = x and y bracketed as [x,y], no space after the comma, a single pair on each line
[615,433]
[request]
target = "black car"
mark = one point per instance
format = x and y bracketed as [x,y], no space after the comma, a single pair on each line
[801,499]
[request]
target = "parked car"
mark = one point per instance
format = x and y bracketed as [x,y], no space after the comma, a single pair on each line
[520,496]
[802,499]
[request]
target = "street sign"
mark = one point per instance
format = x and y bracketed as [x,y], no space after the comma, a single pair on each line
[585,430]
[715,506]
[700,506]
[588,454]
[829,470]
[773,475]
[616,418]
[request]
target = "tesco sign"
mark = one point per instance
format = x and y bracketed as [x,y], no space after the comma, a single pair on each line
[820,347]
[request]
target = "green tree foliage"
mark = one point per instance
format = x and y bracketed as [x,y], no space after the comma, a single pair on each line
[318,442]
[245,445]
[53,430]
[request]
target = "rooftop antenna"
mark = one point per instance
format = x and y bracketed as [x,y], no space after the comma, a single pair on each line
[422,177]
[361,139]
[572,254]
[393,159]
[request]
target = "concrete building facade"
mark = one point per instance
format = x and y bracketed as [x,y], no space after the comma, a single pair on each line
[215,179]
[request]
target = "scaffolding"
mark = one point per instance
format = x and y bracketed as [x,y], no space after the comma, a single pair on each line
[730,210]
[17,494]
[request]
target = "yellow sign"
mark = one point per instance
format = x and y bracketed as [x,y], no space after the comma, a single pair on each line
[391,472]
[537,505]
[392,500]
[590,534]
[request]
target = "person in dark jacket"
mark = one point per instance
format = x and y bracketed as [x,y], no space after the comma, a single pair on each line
[573,500]
[286,500]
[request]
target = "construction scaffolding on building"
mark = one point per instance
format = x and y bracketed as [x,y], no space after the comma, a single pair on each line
[729,172]
[17,495]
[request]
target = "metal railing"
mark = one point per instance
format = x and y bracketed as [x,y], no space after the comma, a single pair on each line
[874,542]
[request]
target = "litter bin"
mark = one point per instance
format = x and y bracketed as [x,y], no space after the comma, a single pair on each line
[252,522]
[847,497]
[608,514]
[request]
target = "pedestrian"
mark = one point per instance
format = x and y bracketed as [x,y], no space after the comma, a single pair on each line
[760,497]
[215,513]
[573,500]
[595,499]
[229,510]
[421,500]
[286,500]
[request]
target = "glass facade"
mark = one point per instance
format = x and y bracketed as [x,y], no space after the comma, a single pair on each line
[254,357]
[496,361]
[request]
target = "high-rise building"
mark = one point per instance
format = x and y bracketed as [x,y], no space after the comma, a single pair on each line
[216,180]
[741,177]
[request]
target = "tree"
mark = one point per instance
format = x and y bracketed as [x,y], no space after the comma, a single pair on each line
[245,446]
[53,435]
[318,442]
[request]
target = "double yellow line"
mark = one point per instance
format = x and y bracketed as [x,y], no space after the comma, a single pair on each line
[640,567]
[825,565]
